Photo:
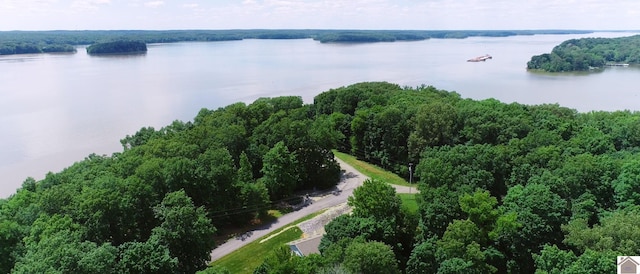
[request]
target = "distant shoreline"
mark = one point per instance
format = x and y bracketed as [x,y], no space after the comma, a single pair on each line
[29,42]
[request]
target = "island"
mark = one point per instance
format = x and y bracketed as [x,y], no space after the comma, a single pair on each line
[587,54]
[118,47]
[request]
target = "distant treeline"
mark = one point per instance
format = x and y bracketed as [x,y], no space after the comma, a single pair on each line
[360,36]
[120,46]
[16,42]
[583,54]
[23,48]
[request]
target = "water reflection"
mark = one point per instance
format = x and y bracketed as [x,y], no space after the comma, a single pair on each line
[119,55]
[567,74]
[20,58]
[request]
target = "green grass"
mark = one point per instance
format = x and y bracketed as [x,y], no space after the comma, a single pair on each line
[275,213]
[371,171]
[409,201]
[250,256]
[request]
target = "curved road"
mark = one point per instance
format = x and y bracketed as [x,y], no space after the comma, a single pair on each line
[350,180]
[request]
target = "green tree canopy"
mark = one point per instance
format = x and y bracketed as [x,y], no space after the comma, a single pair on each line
[370,257]
[375,199]
[185,230]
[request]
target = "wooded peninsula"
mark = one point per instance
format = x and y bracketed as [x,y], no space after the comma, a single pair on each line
[504,188]
[588,53]
[21,42]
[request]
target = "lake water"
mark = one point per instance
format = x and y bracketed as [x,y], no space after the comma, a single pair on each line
[56,109]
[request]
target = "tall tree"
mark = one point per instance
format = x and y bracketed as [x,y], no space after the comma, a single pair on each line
[254,195]
[10,242]
[464,240]
[617,232]
[440,208]
[541,213]
[375,199]
[55,245]
[185,230]
[150,256]
[553,259]
[423,258]
[435,125]
[370,257]
[279,169]
[627,185]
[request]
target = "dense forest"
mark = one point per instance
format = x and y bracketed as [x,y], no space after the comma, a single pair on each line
[155,206]
[588,53]
[115,47]
[17,42]
[504,188]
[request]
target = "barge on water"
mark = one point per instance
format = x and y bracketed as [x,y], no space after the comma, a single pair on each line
[480,58]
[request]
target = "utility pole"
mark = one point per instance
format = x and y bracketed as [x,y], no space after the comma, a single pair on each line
[410,175]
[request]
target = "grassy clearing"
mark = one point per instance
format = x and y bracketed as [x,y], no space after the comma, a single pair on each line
[409,201]
[250,256]
[371,171]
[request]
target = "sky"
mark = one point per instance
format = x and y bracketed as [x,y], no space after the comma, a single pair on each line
[319,14]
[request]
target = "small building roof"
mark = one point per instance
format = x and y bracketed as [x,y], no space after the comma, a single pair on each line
[306,246]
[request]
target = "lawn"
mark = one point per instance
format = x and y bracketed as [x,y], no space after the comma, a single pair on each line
[409,201]
[250,256]
[371,171]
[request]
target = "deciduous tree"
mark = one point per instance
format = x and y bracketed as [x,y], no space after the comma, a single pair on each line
[370,257]
[279,169]
[185,230]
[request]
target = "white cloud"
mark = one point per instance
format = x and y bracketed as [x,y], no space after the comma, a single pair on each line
[336,14]
[191,6]
[88,5]
[8,5]
[154,4]
[27,7]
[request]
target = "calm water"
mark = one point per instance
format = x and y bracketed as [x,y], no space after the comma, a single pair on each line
[57,109]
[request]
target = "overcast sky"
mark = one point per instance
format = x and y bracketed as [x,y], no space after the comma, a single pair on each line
[320,14]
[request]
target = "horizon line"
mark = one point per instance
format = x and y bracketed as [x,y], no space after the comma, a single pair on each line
[332,29]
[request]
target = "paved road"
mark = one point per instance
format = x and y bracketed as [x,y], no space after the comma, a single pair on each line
[350,180]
